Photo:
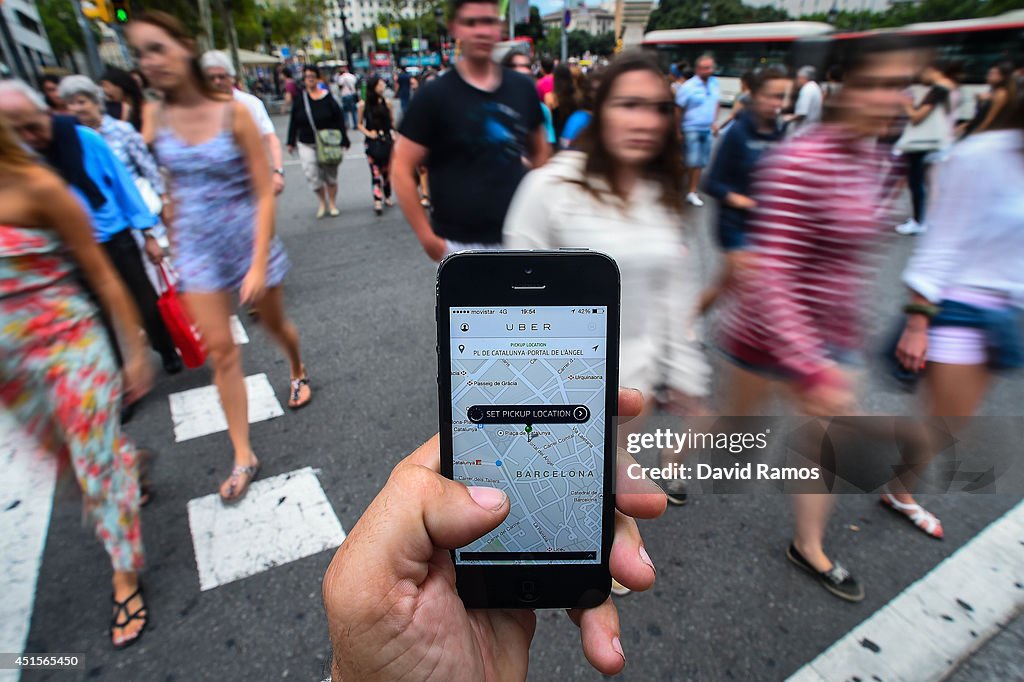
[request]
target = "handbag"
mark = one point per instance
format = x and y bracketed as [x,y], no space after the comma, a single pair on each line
[149,196]
[329,151]
[931,134]
[379,148]
[183,333]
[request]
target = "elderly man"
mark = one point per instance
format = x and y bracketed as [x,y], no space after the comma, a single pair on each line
[807,110]
[221,73]
[106,190]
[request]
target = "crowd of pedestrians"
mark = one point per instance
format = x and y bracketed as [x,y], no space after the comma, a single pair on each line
[94,176]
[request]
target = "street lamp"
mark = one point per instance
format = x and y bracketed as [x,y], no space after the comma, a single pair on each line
[833,14]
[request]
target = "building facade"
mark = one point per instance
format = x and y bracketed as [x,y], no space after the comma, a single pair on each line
[25,35]
[592,20]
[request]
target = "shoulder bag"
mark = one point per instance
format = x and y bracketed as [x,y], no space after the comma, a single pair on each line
[329,151]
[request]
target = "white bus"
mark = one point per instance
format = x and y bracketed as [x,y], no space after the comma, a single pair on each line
[737,48]
[973,44]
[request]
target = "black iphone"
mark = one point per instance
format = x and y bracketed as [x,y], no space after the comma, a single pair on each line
[528,386]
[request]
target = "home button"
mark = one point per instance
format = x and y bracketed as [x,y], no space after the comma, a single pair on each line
[527,592]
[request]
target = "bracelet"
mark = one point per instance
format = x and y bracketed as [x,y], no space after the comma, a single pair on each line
[926,309]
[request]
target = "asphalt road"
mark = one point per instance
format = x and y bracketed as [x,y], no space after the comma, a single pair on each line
[726,606]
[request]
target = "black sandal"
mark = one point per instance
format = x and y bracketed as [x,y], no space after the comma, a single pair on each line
[142,613]
[296,393]
[836,580]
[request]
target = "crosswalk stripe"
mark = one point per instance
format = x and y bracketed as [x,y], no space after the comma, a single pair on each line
[198,412]
[26,499]
[941,619]
[280,520]
[238,331]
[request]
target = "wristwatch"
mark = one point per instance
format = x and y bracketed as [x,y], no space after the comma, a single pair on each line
[279,171]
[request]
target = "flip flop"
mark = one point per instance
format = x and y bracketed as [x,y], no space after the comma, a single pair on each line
[236,491]
[295,395]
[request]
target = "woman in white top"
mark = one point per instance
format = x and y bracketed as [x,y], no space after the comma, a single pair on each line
[966,282]
[622,195]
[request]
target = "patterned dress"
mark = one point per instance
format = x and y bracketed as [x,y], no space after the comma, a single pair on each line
[59,378]
[214,213]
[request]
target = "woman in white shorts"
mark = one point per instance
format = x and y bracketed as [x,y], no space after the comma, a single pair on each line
[966,282]
[315,109]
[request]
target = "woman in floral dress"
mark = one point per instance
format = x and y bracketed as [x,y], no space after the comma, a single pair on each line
[58,374]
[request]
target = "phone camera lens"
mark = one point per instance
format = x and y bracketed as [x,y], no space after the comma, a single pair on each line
[528,271]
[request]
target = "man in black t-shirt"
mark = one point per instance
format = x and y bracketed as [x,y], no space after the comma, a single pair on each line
[472,128]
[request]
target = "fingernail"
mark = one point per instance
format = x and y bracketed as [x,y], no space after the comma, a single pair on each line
[490,499]
[617,647]
[646,558]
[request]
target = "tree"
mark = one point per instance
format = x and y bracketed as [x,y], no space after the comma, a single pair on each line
[61,26]
[534,28]
[687,14]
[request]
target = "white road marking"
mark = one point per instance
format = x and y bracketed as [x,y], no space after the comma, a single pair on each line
[238,331]
[198,412]
[26,499]
[940,620]
[280,520]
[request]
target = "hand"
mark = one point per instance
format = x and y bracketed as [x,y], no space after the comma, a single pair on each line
[830,397]
[389,593]
[138,376]
[912,349]
[714,129]
[278,183]
[435,246]
[154,251]
[167,212]
[372,134]
[291,149]
[740,201]
[254,285]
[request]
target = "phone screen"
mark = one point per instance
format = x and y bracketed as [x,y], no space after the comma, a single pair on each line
[528,416]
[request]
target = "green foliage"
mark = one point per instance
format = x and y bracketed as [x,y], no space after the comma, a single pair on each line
[61,26]
[579,42]
[534,28]
[686,14]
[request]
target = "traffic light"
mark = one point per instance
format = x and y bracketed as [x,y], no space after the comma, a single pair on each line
[98,10]
[121,11]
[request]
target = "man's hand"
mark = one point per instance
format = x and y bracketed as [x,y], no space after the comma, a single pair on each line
[278,183]
[392,608]
[435,247]
[740,201]
[154,251]
[291,149]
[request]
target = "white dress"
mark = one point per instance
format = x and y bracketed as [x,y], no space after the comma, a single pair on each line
[660,284]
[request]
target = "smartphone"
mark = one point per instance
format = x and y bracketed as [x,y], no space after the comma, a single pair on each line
[528,391]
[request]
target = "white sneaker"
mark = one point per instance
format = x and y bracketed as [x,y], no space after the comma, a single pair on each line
[911,227]
[618,589]
[694,199]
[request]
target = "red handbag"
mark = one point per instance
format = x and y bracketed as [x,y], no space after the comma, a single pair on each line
[183,333]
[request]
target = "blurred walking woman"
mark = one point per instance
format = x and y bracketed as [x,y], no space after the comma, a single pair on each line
[377,122]
[966,281]
[58,374]
[222,230]
[315,109]
[622,194]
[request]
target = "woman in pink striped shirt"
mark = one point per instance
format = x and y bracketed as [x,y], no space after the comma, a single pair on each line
[794,315]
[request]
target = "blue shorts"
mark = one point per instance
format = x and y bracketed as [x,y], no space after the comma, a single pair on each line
[698,148]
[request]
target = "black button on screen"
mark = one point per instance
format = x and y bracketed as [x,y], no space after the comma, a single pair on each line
[527,591]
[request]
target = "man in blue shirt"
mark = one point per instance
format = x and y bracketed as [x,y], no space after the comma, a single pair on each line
[697,100]
[107,192]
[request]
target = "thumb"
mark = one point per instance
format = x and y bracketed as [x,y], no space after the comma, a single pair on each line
[437,513]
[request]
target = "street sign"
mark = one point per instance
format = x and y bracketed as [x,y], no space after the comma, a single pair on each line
[380,59]
[382,34]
